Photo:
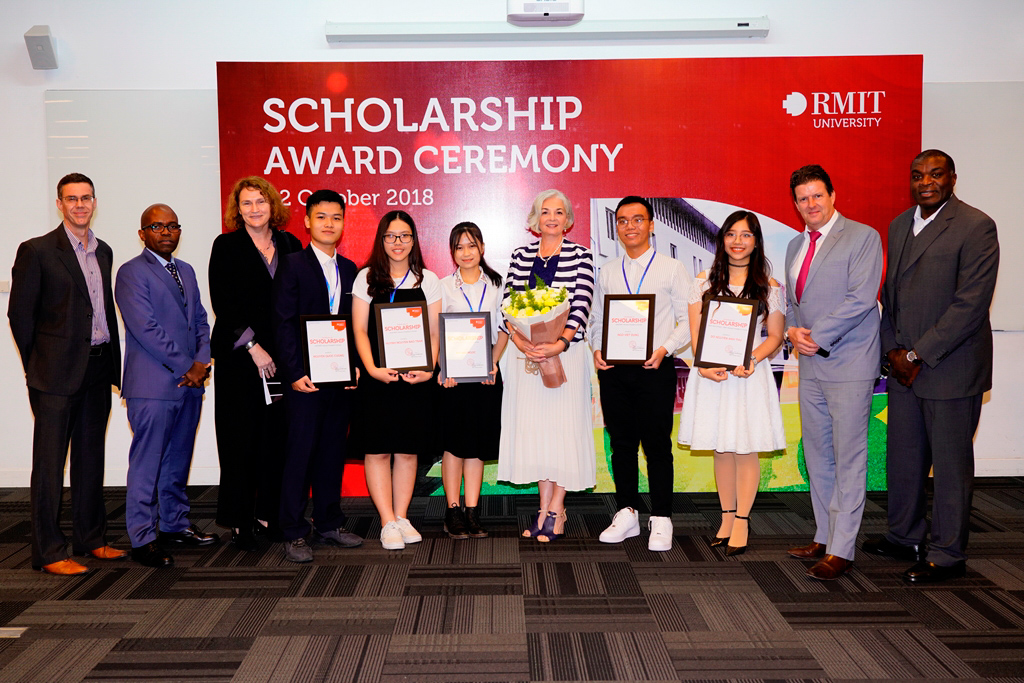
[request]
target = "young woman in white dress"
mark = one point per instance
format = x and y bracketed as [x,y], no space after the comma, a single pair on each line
[736,414]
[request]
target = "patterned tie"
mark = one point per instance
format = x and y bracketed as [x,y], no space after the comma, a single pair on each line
[801,280]
[174,273]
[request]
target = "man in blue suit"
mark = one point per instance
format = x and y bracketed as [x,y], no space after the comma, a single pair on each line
[833,271]
[314,281]
[166,362]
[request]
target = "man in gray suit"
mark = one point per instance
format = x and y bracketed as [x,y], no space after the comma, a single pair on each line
[943,259]
[833,270]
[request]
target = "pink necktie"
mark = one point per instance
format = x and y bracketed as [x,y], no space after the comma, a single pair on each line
[801,280]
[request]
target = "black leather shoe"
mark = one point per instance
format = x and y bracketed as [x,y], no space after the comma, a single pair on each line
[473,526]
[929,572]
[191,536]
[244,539]
[455,522]
[150,555]
[883,547]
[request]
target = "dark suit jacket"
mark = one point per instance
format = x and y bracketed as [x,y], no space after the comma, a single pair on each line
[936,299]
[301,289]
[164,334]
[240,290]
[51,313]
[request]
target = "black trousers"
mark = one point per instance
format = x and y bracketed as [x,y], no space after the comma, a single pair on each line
[925,434]
[315,458]
[638,405]
[81,420]
[250,444]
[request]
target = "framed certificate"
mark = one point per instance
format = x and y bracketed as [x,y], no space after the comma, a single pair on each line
[403,336]
[727,328]
[465,353]
[627,332]
[327,349]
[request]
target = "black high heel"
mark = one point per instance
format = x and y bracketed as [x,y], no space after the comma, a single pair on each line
[731,550]
[535,527]
[718,540]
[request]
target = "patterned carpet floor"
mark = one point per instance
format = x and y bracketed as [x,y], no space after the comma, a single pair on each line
[511,609]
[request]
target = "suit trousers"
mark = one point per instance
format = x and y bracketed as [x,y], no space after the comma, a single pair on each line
[925,434]
[163,438]
[834,422]
[638,406]
[81,420]
[250,444]
[314,457]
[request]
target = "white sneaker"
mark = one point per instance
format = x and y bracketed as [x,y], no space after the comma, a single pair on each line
[409,533]
[391,537]
[661,534]
[625,524]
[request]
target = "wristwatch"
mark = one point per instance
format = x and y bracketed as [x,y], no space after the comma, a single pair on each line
[913,357]
[252,343]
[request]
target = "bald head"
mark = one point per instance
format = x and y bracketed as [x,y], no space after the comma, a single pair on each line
[147,215]
[160,230]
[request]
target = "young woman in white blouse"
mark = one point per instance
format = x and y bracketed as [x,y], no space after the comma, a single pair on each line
[472,410]
[392,413]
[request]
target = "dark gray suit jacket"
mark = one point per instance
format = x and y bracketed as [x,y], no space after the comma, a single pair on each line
[51,313]
[936,298]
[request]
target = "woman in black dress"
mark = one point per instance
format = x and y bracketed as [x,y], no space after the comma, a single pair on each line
[250,433]
[393,412]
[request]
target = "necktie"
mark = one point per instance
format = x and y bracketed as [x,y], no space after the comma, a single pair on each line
[801,280]
[174,273]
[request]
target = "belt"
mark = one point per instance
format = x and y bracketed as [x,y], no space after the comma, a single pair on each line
[99,349]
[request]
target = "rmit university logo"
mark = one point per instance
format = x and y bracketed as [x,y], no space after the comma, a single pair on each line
[853,109]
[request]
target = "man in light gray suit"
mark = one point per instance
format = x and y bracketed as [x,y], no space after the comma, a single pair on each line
[833,270]
[943,260]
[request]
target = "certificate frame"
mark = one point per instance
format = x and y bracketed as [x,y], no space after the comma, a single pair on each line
[417,348]
[721,351]
[454,323]
[308,324]
[617,337]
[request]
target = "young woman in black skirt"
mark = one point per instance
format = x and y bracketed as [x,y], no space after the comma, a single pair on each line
[471,410]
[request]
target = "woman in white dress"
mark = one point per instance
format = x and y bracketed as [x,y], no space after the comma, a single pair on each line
[547,435]
[736,414]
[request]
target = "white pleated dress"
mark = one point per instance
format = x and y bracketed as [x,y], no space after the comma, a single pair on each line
[739,415]
[548,433]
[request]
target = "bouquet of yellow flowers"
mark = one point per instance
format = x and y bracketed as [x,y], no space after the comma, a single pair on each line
[539,314]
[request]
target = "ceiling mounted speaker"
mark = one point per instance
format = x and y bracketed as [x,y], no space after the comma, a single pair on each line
[41,48]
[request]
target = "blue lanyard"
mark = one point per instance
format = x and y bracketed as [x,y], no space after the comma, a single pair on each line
[337,286]
[480,306]
[399,285]
[639,284]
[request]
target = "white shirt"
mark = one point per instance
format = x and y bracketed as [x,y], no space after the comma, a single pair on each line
[431,286]
[453,301]
[921,223]
[794,271]
[329,264]
[667,279]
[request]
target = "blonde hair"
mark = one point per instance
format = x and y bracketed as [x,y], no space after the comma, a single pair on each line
[533,220]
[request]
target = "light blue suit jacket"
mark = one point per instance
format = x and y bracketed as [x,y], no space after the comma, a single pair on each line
[164,335]
[840,303]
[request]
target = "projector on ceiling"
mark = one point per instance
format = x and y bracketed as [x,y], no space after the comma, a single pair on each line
[545,12]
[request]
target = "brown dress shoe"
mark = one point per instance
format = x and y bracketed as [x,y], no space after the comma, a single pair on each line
[811,551]
[830,568]
[105,552]
[65,568]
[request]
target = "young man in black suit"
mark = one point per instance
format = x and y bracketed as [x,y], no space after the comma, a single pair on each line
[314,281]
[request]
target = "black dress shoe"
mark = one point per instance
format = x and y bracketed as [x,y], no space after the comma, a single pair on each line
[929,572]
[244,539]
[150,555]
[191,536]
[883,547]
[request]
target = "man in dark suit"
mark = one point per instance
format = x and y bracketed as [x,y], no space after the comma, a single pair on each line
[943,260]
[314,281]
[833,270]
[166,362]
[62,315]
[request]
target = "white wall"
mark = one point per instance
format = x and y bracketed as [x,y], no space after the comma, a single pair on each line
[134,44]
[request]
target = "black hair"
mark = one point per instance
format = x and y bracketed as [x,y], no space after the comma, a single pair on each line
[378,276]
[324,197]
[471,229]
[759,269]
[808,174]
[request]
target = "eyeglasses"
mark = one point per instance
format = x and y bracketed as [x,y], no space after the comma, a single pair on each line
[391,238]
[72,199]
[635,221]
[156,227]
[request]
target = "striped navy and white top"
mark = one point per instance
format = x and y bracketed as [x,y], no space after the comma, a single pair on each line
[575,272]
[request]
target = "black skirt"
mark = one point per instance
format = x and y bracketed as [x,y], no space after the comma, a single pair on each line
[472,419]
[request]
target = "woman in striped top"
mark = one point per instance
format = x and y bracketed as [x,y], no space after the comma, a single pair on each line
[547,435]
